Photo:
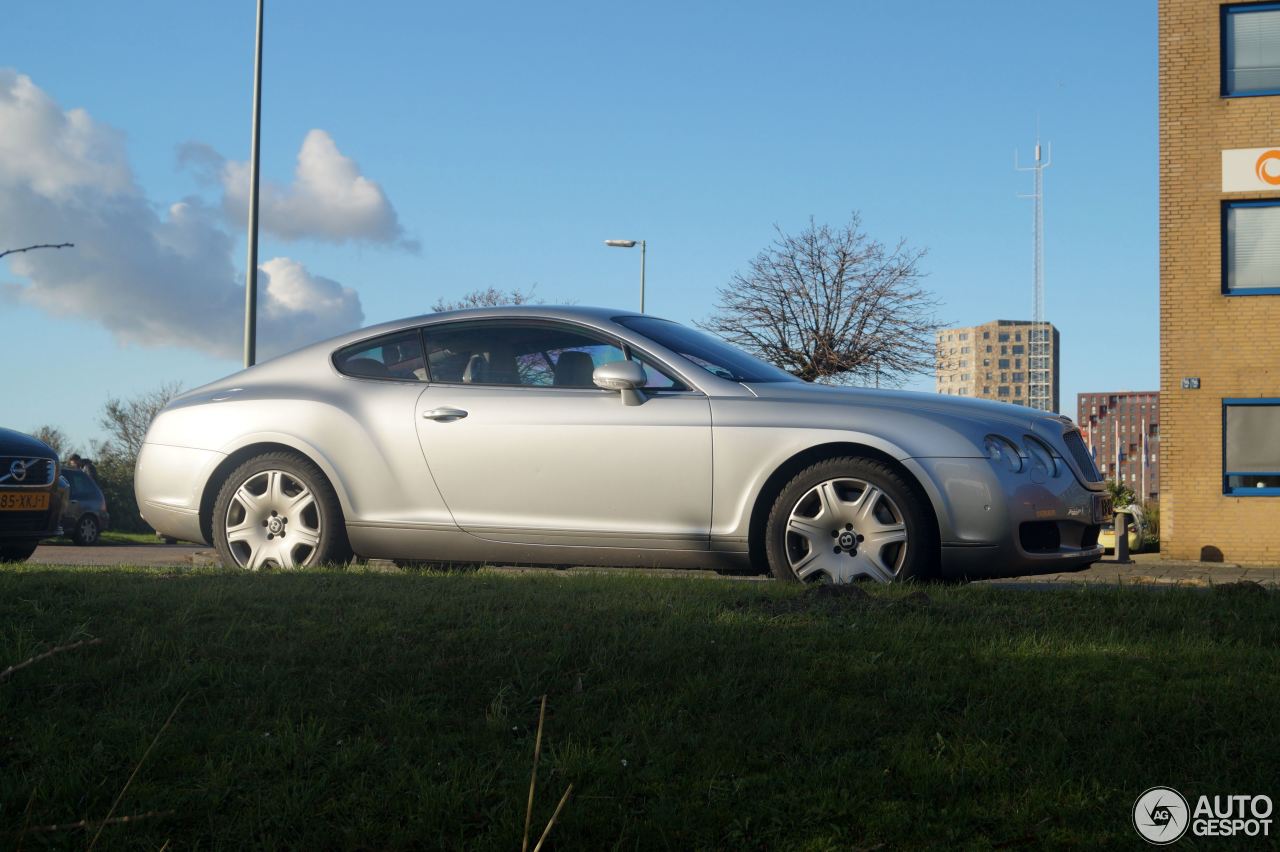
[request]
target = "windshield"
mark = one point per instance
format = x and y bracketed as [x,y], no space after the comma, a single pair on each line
[710,353]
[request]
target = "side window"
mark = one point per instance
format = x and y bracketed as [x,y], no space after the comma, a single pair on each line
[1250,49]
[1251,446]
[1250,262]
[524,354]
[396,356]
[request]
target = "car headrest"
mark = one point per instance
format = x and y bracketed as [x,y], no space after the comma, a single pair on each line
[574,370]
[477,370]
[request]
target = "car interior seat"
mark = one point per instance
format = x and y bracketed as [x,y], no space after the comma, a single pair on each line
[574,370]
[366,368]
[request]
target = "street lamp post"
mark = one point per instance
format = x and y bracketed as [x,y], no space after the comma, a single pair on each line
[632,244]
[251,273]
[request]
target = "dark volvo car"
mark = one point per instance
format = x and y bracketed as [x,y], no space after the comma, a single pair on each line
[31,495]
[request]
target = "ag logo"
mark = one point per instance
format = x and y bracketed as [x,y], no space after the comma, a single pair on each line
[1161,815]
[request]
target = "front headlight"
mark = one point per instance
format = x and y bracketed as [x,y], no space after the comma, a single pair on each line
[1042,458]
[1004,452]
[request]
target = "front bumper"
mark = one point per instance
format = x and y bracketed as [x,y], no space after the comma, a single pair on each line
[25,526]
[995,523]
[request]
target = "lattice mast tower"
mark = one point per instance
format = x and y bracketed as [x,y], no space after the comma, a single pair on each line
[1039,343]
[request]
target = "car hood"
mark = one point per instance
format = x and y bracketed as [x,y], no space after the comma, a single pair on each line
[979,411]
[17,444]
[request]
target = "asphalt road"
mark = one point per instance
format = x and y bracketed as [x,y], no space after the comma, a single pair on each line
[155,555]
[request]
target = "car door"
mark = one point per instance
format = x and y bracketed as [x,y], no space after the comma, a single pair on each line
[524,447]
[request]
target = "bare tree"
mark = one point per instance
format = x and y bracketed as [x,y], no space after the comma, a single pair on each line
[54,437]
[490,298]
[126,421]
[832,305]
[33,248]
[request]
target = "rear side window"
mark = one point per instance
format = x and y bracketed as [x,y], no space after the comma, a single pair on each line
[81,486]
[397,357]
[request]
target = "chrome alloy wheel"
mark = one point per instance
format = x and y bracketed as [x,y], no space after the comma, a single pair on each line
[843,530]
[273,521]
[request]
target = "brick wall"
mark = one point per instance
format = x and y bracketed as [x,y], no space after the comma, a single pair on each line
[1231,343]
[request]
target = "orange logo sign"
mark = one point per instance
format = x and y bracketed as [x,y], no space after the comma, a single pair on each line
[1261,167]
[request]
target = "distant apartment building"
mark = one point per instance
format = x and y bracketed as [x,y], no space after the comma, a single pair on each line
[993,361]
[1219,172]
[1122,430]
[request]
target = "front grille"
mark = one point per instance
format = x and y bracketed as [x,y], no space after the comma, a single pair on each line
[24,522]
[1080,453]
[1040,536]
[26,471]
[1043,537]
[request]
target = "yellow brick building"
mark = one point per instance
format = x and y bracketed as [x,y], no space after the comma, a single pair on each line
[1220,280]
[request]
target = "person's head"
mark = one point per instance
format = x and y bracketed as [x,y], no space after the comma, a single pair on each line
[74,459]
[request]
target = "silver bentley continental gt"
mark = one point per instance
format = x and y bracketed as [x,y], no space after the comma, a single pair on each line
[585,436]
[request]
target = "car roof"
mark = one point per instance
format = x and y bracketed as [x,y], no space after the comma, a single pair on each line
[564,312]
[569,313]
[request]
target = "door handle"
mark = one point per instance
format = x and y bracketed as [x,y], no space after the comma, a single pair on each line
[444,415]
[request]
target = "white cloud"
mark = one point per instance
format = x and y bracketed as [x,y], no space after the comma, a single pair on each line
[150,278]
[329,199]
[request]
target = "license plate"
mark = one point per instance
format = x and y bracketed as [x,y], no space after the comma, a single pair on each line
[11,501]
[1102,509]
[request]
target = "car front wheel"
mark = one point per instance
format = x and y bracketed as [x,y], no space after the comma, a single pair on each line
[848,519]
[277,510]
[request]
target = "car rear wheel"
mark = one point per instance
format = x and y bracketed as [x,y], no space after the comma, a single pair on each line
[17,551]
[86,531]
[277,510]
[849,519]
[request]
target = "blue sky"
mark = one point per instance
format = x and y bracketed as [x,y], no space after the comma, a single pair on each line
[511,139]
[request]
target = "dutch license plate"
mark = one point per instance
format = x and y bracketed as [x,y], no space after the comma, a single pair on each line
[1102,509]
[11,501]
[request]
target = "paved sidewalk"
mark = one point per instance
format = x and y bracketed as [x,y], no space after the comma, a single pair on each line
[1150,569]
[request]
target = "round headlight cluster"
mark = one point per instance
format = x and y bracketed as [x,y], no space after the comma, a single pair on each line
[1004,452]
[1034,455]
[1042,459]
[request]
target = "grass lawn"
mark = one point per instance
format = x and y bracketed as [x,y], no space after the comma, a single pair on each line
[115,537]
[339,709]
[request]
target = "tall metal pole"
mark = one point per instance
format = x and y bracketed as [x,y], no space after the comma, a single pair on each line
[1038,364]
[251,270]
[642,250]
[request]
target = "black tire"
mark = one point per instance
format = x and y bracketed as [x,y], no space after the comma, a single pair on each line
[17,551]
[908,508]
[87,531]
[322,517]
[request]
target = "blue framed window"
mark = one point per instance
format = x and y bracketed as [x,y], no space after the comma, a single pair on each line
[1251,447]
[1251,248]
[1250,49]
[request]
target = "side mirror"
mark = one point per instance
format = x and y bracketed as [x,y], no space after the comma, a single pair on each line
[625,376]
